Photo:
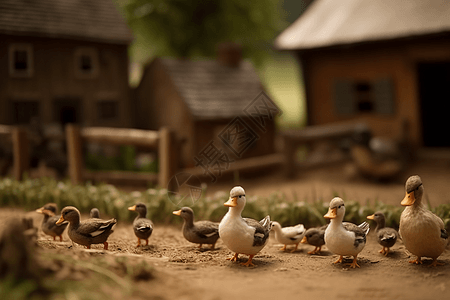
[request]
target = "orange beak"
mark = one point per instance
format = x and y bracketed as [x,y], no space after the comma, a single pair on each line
[304,240]
[177,212]
[409,199]
[132,208]
[60,220]
[371,217]
[232,202]
[331,214]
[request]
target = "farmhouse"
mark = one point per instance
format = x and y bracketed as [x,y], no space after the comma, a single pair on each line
[383,62]
[64,61]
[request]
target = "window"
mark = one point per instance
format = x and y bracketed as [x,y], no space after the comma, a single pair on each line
[107,110]
[21,60]
[361,96]
[25,111]
[86,62]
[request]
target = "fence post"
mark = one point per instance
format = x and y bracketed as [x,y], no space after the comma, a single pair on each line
[20,152]
[168,162]
[74,153]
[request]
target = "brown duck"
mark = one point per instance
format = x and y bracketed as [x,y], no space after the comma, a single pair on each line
[316,237]
[49,225]
[386,236]
[142,226]
[88,232]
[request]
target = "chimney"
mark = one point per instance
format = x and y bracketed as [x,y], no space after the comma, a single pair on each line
[229,54]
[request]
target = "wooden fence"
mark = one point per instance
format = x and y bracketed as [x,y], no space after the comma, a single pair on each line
[163,141]
[21,156]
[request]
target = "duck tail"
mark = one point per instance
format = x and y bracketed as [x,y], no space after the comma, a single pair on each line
[266,223]
[365,227]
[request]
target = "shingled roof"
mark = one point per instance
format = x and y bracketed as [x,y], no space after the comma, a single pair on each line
[96,20]
[329,22]
[212,90]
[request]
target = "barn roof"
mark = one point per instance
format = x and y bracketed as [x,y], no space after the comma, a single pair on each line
[212,90]
[96,20]
[329,22]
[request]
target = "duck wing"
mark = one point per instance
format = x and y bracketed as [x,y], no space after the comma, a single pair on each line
[360,231]
[95,227]
[143,225]
[262,229]
[294,232]
[206,229]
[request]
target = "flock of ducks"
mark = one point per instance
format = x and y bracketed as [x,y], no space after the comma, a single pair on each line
[422,232]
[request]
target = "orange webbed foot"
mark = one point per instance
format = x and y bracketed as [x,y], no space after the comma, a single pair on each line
[435,263]
[249,262]
[234,258]
[417,261]
[339,260]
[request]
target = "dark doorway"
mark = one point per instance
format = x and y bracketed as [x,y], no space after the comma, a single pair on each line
[434,92]
[67,110]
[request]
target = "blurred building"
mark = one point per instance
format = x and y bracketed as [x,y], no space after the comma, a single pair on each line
[383,62]
[208,103]
[64,61]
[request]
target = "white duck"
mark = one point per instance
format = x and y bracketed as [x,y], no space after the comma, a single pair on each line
[292,235]
[242,235]
[344,238]
[422,232]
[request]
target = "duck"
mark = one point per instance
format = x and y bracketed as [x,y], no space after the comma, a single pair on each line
[386,236]
[142,226]
[344,238]
[316,237]
[94,213]
[49,225]
[88,232]
[422,232]
[200,232]
[291,235]
[242,235]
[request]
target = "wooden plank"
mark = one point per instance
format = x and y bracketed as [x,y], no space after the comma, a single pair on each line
[20,152]
[121,136]
[119,175]
[74,153]
[5,129]
[167,154]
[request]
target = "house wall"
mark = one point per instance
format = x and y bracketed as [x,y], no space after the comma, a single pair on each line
[397,62]
[55,77]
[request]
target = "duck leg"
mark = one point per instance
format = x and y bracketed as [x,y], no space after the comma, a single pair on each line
[417,261]
[212,246]
[283,248]
[200,246]
[60,238]
[295,249]
[339,260]
[435,263]
[354,264]
[249,262]
[313,251]
[146,242]
[386,252]
[382,251]
[139,242]
[105,246]
[234,258]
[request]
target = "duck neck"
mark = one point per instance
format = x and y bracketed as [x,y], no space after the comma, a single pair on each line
[336,222]
[381,223]
[235,211]
[188,222]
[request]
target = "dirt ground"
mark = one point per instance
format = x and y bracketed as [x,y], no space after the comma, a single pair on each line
[183,271]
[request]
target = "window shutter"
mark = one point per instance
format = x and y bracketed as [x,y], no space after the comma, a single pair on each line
[383,91]
[344,97]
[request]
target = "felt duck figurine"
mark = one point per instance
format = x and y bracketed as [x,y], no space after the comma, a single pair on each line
[422,232]
[142,226]
[94,213]
[200,232]
[344,238]
[49,225]
[88,232]
[316,237]
[386,236]
[292,235]
[242,235]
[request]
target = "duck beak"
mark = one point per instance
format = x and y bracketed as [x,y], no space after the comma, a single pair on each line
[409,199]
[61,219]
[232,202]
[371,217]
[331,214]
[304,240]
[132,208]
[177,212]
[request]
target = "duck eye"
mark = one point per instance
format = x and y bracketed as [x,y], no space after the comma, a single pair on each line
[240,196]
[339,206]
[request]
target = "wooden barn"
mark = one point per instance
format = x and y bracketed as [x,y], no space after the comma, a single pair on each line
[211,105]
[64,61]
[383,62]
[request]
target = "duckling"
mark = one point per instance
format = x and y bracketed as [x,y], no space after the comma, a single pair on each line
[386,236]
[49,225]
[142,226]
[344,238]
[94,213]
[422,232]
[288,235]
[315,237]
[88,232]
[200,232]
[242,235]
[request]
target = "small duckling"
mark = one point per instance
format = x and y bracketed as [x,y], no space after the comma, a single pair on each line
[316,237]
[94,213]
[88,232]
[288,235]
[142,226]
[386,236]
[49,225]
[200,232]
